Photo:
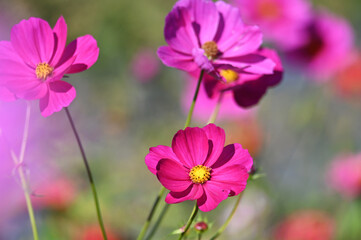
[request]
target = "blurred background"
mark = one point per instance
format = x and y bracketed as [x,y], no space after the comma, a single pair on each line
[129,101]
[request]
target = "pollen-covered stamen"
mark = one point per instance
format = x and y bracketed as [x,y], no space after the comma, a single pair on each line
[43,70]
[268,9]
[229,75]
[210,49]
[200,174]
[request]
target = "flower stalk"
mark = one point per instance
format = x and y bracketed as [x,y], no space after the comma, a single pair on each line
[190,220]
[90,176]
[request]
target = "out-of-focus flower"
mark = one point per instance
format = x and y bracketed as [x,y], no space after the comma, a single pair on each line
[281,21]
[199,167]
[344,175]
[204,35]
[306,225]
[145,65]
[247,89]
[35,60]
[247,132]
[56,194]
[93,232]
[348,81]
[327,48]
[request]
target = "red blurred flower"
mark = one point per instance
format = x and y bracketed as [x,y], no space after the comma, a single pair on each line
[306,225]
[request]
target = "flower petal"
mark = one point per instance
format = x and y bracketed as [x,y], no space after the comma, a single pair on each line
[211,197]
[251,63]
[172,175]
[6,95]
[156,154]
[59,95]
[234,154]
[206,18]
[241,44]
[178,31]
[60,33]
[193,192]
[201,60]
[216,139]
[86,51]
[230,177]
[190,146]
[33,40]
[175,59]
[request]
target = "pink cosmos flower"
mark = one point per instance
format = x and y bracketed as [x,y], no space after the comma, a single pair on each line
[35,60]
[344,175]
[145,65]
[246,89]
[281,21]
[204,35]
[199,167]
[328,46]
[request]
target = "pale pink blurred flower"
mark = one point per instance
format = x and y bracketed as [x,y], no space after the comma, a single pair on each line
[306,225]
[327,49]
[145,65]
[281,21]
[344,175]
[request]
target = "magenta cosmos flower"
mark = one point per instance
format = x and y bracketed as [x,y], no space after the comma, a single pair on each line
[281,21]
[204,35]
[35,60]
[246,89]
[199,167]
[328,46]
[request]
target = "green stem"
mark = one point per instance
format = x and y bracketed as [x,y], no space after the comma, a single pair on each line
[151,214]
[215,112]
[190,220]
[224,226]
[156,202]
[190,113]
[18,164]
[90,176]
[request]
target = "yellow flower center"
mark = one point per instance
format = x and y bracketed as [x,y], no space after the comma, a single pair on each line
[200,174]
[43,70]
[268,9]
[210,49]
[229,75]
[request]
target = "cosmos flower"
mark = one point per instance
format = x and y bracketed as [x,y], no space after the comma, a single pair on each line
[35,60]
[281,21]
[199,167]
[327,48]
[204,35]
[306,225]
[344,175]
[245,89]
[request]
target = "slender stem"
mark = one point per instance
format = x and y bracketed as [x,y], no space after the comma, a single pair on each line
[190,113]
[190,220]
[90,176]
[215,112]
[156,202]
[150,216]
[18,165]
[224,226]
